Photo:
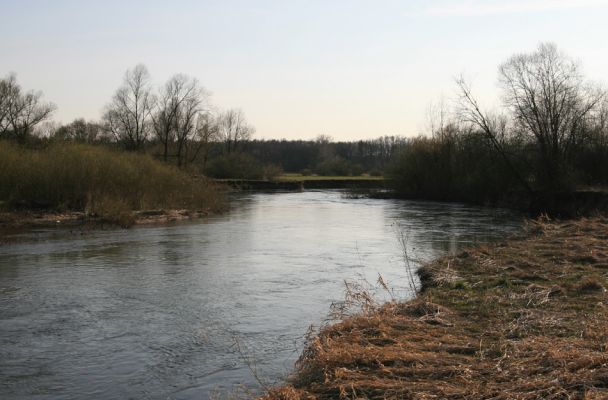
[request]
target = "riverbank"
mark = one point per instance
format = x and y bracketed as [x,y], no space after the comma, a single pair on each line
[582,202]
[16,222]
[525,319]
[95,184]
[296,182]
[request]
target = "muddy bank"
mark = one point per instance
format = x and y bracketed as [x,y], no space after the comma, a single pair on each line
[304,184]
[525,319]
[22,220]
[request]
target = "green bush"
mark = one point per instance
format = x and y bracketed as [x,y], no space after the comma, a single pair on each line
[337,166]
[235,166]
[271,171]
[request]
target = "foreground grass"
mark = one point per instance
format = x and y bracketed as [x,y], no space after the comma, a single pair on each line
[527,319]
[97,181]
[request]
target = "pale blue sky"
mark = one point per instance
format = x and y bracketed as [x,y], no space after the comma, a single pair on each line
[350,69]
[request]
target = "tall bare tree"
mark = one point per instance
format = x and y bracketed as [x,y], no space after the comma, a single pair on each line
[207,132]
[493,126]
[166,108]
[127,117]
[20,112]
[233,129]
[550,101]
[182,101]
[9,92]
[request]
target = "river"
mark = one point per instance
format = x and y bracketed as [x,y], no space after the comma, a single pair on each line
[178,311]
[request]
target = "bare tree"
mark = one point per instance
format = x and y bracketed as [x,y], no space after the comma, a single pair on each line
[494,128]
[127,116]
[205,134]
[9,93]
[182,101]
[193,103]
[233,129]
[80,130]
[166,109]
[20,112]
[438,119]
[550,102]
[599,127]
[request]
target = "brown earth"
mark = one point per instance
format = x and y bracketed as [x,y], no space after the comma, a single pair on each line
[20,221]
[525,319]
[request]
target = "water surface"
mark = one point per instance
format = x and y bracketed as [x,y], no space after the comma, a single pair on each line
[155,312]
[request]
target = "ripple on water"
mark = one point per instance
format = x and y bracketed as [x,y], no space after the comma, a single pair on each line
[157,312]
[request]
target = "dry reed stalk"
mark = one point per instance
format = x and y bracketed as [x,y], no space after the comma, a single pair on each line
[527,319]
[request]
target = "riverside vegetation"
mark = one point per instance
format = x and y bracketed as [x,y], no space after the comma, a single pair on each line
[549,137]
[152,149]
[105,184]
[524,319]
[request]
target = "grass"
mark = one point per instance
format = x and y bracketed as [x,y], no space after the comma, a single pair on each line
[304,178]
[103,183]
[526,319]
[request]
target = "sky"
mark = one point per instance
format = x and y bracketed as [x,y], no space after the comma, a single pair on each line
[350,69]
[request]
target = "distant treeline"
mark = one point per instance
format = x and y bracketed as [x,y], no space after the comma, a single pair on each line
[321,156]
[177,124]
[253,159]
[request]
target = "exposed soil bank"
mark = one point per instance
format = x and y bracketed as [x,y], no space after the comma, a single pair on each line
[303,184]
[16,221]
[525,319]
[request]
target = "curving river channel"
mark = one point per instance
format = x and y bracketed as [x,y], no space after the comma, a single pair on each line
[157,312]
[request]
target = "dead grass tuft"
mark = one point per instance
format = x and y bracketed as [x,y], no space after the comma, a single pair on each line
[591,284]
[524,320]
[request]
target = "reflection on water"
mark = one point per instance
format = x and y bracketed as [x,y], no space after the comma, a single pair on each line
[152,312]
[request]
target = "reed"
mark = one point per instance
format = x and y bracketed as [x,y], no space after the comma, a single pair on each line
[98,180]
[525,319]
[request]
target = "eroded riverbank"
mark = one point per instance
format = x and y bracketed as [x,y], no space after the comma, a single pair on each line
[525,319]
[23,220]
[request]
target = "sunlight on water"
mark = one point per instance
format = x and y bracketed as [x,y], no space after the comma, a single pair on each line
[153,312]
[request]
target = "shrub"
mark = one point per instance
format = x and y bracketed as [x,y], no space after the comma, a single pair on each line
[97,180]
[458,168]
[334,166]
[235,166]
[271,171]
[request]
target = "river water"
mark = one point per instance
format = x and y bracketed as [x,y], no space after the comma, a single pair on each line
[178,311]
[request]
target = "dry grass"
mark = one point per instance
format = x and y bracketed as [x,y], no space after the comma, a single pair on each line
[527,319]
[104,184]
